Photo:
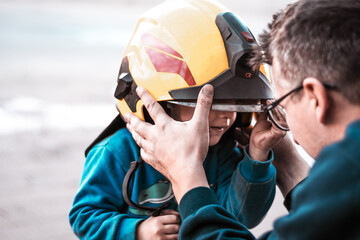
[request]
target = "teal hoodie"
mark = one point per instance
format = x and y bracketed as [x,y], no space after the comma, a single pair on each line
[326,205]
[246,188]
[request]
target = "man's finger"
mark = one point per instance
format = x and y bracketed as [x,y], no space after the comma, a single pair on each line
[262,116]
[146,157]
[141,142]
[203,104]
[146,145]
[134,134]
[156,112]
[134,124]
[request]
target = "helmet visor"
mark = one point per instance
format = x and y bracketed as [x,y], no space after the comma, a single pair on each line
[235,106]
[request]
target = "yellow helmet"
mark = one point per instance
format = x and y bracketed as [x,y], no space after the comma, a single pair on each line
[179,46]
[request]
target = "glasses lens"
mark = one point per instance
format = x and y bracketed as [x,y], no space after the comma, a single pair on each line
[278,116]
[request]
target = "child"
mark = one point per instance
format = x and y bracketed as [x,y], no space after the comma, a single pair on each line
[176,48]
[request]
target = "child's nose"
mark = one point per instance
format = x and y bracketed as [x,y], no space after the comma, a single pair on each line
[223,114]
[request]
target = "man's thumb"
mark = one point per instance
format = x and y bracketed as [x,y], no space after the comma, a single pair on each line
[203,104]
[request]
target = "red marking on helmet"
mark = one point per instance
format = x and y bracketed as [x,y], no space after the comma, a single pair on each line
[166,63]
[151,41]
[248,37]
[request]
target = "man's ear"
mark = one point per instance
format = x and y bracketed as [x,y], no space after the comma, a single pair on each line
[317,94]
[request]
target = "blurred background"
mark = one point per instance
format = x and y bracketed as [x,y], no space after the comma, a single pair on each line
[59,61]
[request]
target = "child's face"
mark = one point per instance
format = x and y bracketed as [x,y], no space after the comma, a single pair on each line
[219,121]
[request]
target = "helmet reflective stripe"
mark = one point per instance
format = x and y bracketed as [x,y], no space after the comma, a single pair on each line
[151,41]
[165,60]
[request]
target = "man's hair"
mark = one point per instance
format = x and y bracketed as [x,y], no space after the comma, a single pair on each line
[316,38]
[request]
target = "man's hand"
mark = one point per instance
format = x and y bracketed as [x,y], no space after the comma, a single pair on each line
[291,168]
[175,149]
[163,227]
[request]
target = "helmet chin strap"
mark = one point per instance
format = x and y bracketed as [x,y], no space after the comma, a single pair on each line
[152,211]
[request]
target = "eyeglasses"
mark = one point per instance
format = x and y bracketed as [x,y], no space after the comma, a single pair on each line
[277,113]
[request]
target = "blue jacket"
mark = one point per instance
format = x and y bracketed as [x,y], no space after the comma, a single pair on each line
[324,206]
[100,212]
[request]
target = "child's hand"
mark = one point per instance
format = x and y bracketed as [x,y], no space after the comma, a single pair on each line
[166,226]
[264,136]
[242,136]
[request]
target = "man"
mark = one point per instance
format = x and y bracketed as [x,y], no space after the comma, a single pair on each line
[314,47]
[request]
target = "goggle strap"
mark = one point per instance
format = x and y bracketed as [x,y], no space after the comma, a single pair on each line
[152,211]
